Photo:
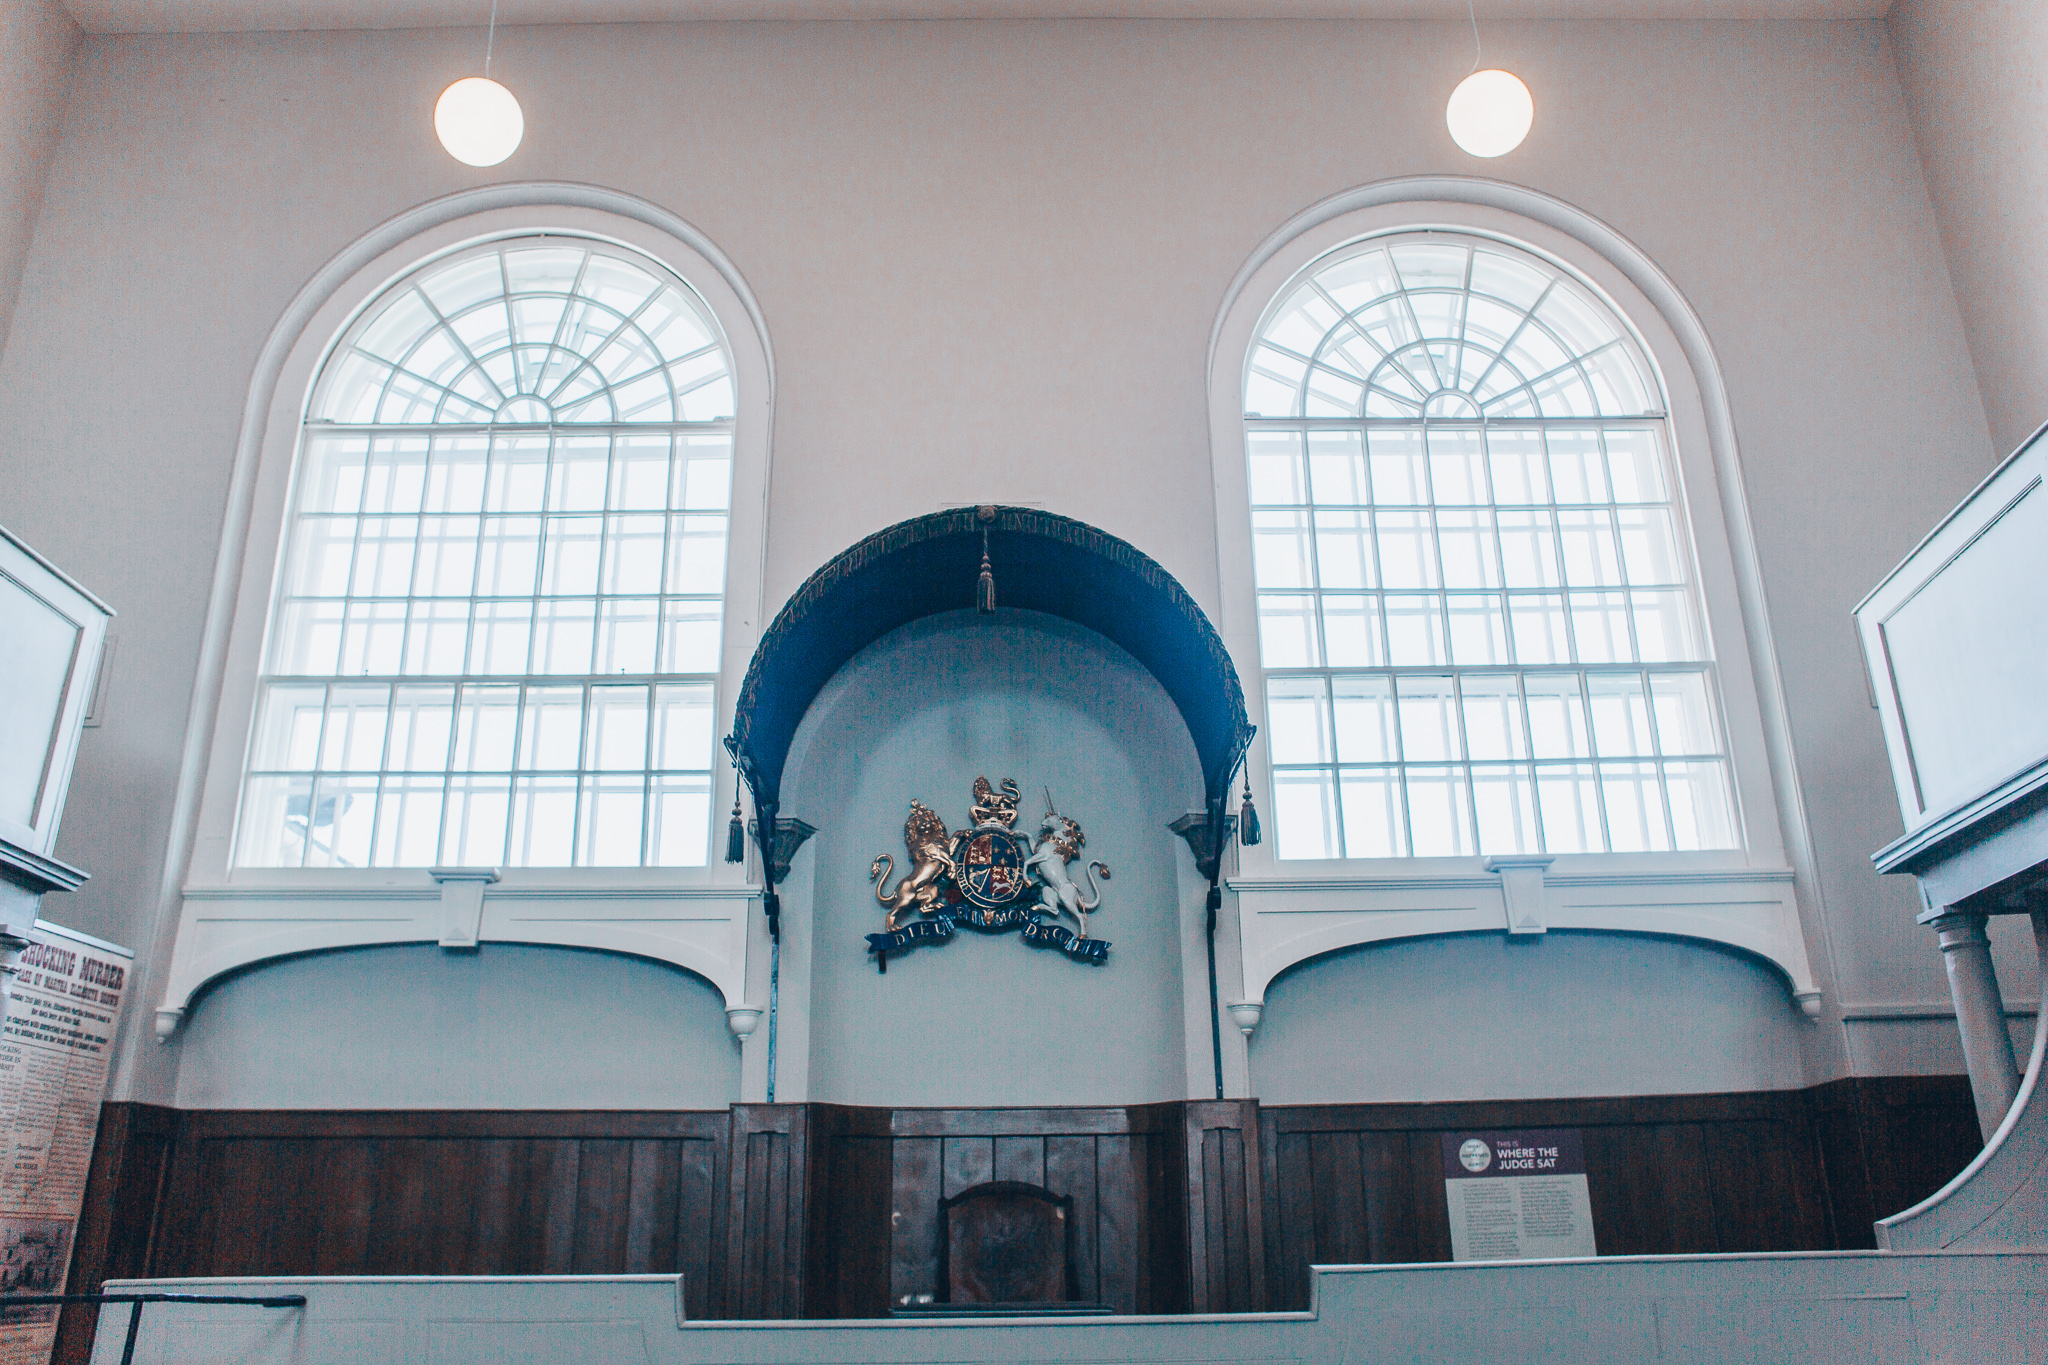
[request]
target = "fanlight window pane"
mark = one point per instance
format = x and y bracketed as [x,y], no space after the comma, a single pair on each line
[1478,614]
[497,629]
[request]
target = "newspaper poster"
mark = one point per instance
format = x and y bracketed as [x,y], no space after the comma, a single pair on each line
[55,1048]
[1518,1196]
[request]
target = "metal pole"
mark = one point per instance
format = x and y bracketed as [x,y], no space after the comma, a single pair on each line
[765,813]
[774,1000]
[134,1328]
[1214,903]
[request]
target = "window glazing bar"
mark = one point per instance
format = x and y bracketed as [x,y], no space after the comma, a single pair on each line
[430,428]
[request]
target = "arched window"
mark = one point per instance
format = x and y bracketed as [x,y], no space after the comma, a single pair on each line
[1478,610]
[494,636]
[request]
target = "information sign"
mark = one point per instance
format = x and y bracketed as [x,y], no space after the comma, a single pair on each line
[54,1051]
[1517,1196]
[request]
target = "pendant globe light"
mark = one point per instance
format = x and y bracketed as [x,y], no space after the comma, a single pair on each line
[1490,112]
[477,119]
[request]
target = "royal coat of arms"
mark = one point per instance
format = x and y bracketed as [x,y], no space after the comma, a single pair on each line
[988,877]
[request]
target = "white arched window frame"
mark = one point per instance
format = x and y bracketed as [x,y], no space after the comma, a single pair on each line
[228,914]
[1291,909]
[494,635]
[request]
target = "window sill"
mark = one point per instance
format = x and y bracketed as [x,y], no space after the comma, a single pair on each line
[514,883]
[1574,870]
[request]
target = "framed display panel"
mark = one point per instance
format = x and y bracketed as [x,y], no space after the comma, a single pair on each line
[54,630]
[1956,639]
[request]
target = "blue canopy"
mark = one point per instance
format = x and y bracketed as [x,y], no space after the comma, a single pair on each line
[1042,562]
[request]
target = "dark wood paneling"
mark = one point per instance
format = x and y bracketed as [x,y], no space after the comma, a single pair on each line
[411,1193]
[891,1174]
[828,1211]
[1226,1209]
[1151,1194]
[1769,1171]
[847,1257]
[765,1212]
[1911,1134]
[131,1159]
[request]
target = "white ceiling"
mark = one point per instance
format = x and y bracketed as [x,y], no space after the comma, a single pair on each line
[175,16]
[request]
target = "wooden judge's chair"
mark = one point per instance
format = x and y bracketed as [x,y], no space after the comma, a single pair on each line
[1006,1243]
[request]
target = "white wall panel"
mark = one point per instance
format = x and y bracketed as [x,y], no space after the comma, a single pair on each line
[1972,76]
[37,44]
[1486,1017]
[504,1027]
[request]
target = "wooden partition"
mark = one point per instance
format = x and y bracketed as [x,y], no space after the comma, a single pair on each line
[827,1211]
[1162,1221]
[1796,1170]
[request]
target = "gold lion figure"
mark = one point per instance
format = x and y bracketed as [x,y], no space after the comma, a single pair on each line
[925,836]
[993,806]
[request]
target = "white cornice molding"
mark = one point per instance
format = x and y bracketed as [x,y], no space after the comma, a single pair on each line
[1489,881]
[235,16]
[563,893]
[1903,1011]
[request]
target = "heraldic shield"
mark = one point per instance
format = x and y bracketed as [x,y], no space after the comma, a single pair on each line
[988,877]
[991,868]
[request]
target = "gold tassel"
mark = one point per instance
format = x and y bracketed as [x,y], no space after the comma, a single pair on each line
[736,835]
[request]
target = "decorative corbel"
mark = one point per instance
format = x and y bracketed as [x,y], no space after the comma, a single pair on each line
[790,835]
[462,903]
[1521,887]
[1245,1014]
[1194,828]
[167,1022]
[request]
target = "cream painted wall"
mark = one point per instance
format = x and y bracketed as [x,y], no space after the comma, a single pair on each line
[985,1019]
[1974,82]
[505,1027]
[1485,1016]
[990,255]
[37,44]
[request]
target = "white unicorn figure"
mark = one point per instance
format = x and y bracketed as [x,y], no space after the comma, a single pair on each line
[1060,841]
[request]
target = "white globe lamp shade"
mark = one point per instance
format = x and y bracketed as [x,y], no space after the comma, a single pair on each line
[1490,113]
[479,122]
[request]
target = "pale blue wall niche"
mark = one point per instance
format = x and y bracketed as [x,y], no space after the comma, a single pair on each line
[985,1020]
[510,1026]
[1484,1017]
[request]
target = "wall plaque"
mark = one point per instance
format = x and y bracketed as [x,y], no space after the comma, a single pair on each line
[1518,1196]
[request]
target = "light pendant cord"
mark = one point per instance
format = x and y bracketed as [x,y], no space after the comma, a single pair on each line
[1469,14]
[491,37]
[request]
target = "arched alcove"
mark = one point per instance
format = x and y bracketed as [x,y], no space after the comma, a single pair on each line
[1038,561]
[409,1026]
[984,1019]
[1495,1017]
[953,562]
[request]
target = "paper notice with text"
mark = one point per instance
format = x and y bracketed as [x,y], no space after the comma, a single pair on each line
[1518,1196]
[54,1051]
